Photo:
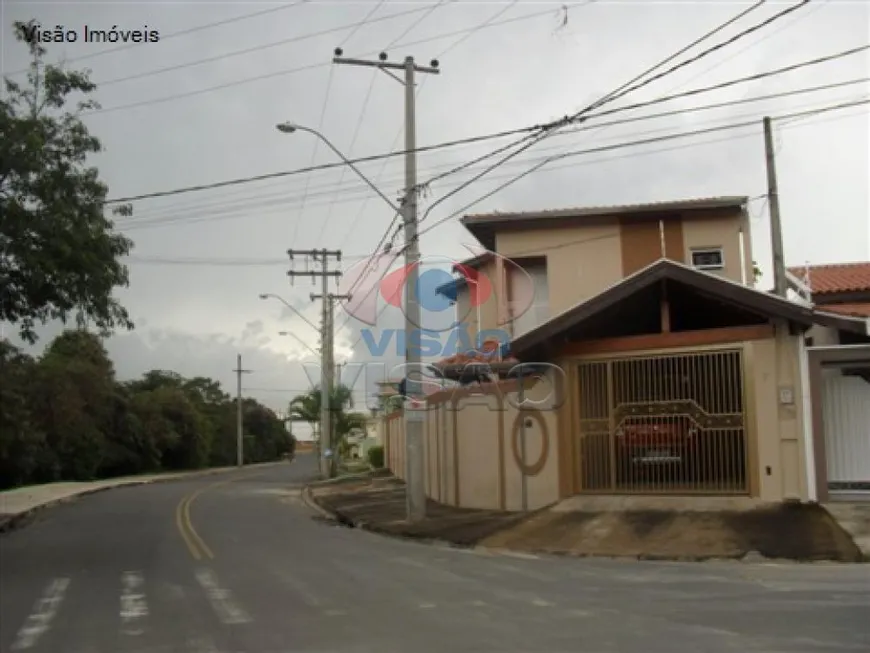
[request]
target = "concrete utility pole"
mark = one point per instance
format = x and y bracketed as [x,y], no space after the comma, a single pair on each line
[322,257]
[331,369]
[240,448]
[780,284]
[414,417]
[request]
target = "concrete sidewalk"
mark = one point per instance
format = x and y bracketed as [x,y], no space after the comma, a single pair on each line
[18,503]
[594,528]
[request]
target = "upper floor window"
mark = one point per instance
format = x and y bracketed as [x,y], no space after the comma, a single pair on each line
[708,258]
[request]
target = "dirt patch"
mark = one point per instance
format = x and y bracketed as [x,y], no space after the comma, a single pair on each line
[799,532]
[783,531]
[380,507]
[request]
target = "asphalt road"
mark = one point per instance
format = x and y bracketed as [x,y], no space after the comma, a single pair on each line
[238,565]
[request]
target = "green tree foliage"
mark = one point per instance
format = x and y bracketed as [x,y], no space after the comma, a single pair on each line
[59,255]
[306,408]
[65,416]
[376,457]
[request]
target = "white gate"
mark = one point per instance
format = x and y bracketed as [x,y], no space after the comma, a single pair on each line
[847,431]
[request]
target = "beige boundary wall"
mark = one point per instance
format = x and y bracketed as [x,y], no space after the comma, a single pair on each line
[473,442]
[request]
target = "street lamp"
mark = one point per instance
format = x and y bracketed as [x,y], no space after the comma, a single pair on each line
[292,308]
[299,340]
[291,127]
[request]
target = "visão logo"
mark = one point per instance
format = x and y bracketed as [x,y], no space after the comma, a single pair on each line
[454,297]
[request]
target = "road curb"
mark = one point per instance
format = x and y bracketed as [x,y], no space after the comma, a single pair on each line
[14,522]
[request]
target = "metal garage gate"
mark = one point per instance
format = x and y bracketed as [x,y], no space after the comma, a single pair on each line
[663,424]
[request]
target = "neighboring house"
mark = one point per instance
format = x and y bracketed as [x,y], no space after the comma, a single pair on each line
[839,373]
[669,372]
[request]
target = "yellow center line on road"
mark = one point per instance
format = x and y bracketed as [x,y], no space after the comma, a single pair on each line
[195,544]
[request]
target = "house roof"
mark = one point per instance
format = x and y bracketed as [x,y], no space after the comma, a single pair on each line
[483,225]
[665,269]
[835,277]
[854,309]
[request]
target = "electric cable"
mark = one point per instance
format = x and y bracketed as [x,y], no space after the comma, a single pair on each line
[353,193]
[632,85]
[305,67]
[547,160]
[479,138]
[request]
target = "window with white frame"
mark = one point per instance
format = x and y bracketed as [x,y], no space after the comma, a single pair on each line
[708,258]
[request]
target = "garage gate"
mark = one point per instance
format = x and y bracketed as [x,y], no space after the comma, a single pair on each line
[663,424]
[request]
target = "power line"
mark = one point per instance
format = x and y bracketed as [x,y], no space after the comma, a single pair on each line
[171,35]
[545,161]
[222,202]
[632,85]
[659,139]
[353,193]
[479,138]
[365,104]
[489,21]
[299,69]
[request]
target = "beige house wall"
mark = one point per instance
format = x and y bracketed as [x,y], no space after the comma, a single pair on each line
[774,394]
[709,231]
[581,261]
[474,453]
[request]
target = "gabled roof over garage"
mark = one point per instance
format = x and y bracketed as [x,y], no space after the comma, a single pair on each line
[642,290]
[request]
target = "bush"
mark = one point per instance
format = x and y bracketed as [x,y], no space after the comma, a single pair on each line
[376,457]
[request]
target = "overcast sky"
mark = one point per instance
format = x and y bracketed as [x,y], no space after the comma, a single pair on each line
[200,106]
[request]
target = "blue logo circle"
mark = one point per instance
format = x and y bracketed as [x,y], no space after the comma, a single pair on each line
[428,283]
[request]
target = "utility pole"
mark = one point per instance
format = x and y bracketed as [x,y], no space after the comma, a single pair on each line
[780,284]
[321,257]
[414,417]
[240,458]
[331,368]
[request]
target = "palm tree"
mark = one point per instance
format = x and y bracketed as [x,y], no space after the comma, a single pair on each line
[306,407]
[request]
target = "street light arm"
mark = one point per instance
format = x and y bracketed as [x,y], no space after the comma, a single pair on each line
[292,308]
[299,340]
[347,162]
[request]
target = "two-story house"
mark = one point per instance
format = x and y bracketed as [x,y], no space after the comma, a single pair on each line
[571,255]
[670,372]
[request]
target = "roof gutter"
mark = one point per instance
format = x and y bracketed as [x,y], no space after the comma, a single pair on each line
[854,324]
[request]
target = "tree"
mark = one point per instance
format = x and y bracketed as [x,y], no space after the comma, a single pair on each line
[59,255]
[66,417]
[22,444]
[306,408]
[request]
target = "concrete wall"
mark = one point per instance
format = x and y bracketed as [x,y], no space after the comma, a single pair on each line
[474,447]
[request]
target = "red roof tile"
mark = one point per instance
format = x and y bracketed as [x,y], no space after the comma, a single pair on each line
[861,309]
[487,354]
[835,277]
